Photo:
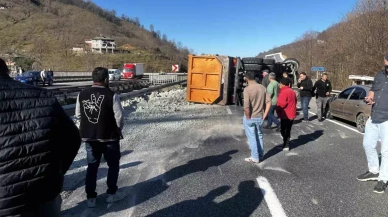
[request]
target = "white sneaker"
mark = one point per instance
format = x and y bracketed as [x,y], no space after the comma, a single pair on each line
[91,202]
[115,197]
[249,159]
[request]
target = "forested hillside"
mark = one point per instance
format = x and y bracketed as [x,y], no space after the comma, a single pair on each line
[356,45]
[45,31]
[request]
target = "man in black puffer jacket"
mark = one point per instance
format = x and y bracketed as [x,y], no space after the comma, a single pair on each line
[38,143]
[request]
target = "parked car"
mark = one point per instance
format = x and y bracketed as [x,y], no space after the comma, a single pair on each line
[114,74]
[33,78]
[350,105]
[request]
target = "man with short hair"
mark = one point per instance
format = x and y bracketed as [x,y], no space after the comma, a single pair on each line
[285,75]
[265,80]
[305,86]
[256,107]
[323,89]
[377,128]
[273,91]
[38,143]
[101,114]
[286,110]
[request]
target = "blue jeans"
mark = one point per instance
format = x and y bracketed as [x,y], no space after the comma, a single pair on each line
[271,117]
[94,152]
[374,132]
[305,101]
[253,130]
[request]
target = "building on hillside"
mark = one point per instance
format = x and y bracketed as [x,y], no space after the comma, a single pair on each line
[3,6]
[101,44]
[78,50]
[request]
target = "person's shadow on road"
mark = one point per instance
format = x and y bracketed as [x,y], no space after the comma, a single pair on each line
[148,189]
[243,204]
[300,141]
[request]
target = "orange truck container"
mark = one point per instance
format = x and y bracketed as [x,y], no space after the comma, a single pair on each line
[210,79]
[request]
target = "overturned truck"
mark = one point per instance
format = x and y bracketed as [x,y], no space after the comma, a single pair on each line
[215,79]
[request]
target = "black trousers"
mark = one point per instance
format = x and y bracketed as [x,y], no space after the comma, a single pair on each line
[111,152]
[285,129]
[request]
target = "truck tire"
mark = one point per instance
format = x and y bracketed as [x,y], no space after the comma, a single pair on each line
[271,68]
[293,61]
[252,60]
[253,67]
[268,61]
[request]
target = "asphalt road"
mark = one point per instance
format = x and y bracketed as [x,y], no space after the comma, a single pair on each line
[208,175]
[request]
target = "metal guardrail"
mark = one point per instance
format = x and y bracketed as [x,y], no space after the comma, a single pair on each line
[157,79]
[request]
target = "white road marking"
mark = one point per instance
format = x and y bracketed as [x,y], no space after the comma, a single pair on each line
[234,137]
[340,124]
[277,169]
[228,110]
[220,170]
[273,203]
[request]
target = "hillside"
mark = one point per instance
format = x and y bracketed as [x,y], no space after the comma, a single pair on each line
[46,31]
[356,45]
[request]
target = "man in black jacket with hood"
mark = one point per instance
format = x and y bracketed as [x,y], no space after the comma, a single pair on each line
[38,143]
[305,85]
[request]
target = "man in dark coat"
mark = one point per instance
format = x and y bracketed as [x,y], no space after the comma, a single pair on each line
[38,143]
[305,86]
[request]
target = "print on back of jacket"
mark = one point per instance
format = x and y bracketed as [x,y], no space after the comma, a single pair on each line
[92,108]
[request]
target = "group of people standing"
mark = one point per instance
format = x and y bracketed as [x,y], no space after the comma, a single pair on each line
[262,100]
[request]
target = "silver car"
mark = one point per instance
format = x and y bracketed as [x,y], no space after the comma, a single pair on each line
[350,105]
[114,74]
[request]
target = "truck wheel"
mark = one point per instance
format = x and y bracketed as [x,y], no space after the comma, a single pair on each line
[294,62]
[269,61]
[253,67]
[271,68]
[252,60]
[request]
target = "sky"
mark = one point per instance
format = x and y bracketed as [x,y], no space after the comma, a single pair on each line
[226,27]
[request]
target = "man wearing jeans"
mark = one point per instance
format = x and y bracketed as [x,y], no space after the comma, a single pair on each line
[305,85]
[273,91]
[255,100]
[377,128]
[101,116]
[323,89]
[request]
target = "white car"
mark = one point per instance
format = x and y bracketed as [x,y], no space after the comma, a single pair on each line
[114,74]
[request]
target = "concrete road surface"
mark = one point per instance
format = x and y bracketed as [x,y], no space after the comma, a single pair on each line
[196,168]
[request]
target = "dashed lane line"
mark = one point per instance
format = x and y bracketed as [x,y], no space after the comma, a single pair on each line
[273,203]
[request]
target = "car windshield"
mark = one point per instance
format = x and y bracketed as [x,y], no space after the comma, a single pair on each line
[111,72]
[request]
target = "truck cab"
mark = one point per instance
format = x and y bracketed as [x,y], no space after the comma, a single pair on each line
[133,70]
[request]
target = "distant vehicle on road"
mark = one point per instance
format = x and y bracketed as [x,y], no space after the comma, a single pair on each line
[133,70]
[349,105]
[114,74]
[33,78]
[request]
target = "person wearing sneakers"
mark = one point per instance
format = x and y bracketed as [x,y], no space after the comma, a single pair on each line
[286,110]
[255,100]
[377,128]
[273,91]
[101,121]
